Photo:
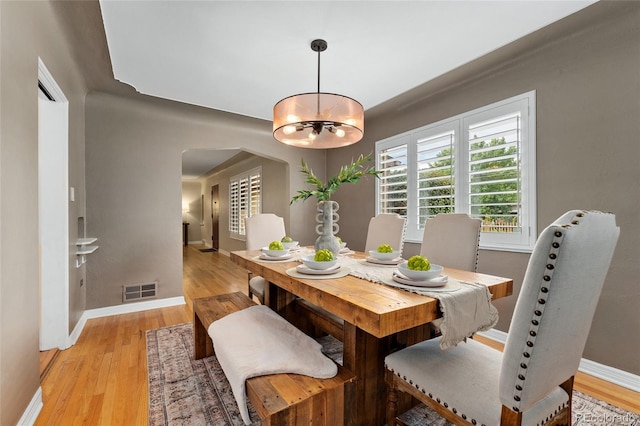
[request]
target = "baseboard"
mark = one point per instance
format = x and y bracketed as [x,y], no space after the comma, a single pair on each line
[226,253]
[134,307]
[601,371]
[30,415]
[122,309]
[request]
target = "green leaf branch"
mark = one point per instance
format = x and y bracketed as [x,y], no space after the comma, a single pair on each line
[351,173]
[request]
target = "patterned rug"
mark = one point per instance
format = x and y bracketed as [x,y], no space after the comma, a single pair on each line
[184,391]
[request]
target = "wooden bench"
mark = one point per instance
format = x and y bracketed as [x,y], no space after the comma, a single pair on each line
[280,399]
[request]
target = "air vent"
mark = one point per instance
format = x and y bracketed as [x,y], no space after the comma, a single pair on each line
[134,292]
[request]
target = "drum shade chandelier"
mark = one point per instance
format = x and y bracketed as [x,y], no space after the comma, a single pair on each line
[318,120]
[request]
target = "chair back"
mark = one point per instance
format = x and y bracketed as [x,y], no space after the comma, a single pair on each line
[385,228]
[262,228]
[555,307]
[452,239]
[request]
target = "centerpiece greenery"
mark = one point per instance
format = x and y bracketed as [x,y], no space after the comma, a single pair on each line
[351,173]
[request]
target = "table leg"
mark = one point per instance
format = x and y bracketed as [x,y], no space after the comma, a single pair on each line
[364,356]
[280,300]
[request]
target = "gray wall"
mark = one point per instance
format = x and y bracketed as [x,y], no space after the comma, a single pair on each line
[133,173]
[587,76]
[29,30]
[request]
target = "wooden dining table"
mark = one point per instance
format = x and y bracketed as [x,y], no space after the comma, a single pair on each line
[378,319]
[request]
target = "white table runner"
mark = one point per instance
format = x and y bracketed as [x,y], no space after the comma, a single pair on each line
[466,310]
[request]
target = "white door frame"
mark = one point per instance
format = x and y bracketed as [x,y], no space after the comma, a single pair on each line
[53,213]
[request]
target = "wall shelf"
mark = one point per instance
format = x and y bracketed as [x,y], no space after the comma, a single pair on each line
[86,249]
[85,241]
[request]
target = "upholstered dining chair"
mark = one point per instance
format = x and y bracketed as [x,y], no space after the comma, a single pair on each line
[385,228]
[261,229]
[452,239]
[530,382]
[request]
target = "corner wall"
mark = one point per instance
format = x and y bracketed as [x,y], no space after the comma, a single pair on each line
[29,30]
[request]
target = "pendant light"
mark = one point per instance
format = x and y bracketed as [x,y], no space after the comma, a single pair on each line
[318,120]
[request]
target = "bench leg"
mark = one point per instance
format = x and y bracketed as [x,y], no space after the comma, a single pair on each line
[202,341]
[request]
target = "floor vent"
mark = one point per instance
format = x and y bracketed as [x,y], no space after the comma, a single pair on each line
[139,291]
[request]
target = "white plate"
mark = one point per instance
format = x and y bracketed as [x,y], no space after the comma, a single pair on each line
[303,269]
[265,256]
[395,261]
[438,281]
[450,287]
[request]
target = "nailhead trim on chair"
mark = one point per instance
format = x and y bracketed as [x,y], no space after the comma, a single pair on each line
[543,294]
[438,400]
[555,413]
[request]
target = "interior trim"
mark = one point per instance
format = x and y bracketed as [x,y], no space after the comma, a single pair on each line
[122,309]
[30,415]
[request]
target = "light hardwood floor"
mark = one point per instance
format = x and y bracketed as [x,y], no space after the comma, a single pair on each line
[102,379]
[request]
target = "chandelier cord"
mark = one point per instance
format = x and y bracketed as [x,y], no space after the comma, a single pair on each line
[318,97]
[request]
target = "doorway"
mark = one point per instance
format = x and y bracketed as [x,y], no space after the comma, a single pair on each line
[53,211]
[215,217]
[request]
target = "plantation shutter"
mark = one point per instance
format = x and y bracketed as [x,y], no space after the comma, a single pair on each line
[255,185]
[494,167]
[392,188]
[244,203]
[245,199]
[234,200]
[435,158]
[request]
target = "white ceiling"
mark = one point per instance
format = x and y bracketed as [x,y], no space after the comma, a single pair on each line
[244,56]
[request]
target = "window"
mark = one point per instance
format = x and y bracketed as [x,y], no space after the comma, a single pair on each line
[244,200]
[481,163]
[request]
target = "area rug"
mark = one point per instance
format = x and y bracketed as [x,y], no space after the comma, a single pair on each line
[184,391]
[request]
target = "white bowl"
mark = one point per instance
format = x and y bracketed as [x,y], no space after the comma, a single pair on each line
[290,244]
[310,263]
[384,256]
[275,253]
[420,275]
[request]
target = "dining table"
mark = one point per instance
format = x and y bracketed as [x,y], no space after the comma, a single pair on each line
[378,318]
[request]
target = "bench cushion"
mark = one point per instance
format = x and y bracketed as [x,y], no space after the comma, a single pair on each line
[256,341]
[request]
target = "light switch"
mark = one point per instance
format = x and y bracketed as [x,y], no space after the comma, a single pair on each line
[72,194]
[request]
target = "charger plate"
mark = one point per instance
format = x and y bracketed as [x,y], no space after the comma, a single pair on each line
[342,272]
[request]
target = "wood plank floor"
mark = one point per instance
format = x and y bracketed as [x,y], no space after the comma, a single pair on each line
[102,379]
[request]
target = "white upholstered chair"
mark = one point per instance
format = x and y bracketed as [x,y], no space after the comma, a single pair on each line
[385,228]
[452,239]
[532,381]
[261,229]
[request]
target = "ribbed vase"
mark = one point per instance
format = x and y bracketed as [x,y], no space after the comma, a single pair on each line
[327,227]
